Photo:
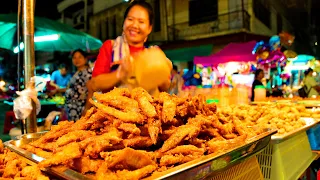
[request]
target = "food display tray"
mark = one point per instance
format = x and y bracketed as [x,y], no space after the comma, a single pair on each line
[309,103]
[310,122]
[197,169]
[59,172]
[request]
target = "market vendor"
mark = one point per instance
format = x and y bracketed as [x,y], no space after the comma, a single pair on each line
[258,76]
[114,62]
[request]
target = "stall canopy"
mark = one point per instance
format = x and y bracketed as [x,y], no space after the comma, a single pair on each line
[233,52]
[187,54]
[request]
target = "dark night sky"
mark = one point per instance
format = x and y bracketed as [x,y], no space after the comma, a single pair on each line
[44,8]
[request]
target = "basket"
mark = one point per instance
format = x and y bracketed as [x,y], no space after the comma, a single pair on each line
[286,160]
[247,170]
[314,137]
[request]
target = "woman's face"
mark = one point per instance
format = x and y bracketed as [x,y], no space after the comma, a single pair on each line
[79,60]
[137,26]
[261,75]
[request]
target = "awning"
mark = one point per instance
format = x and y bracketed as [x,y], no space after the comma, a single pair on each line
[233,52]
[187,54]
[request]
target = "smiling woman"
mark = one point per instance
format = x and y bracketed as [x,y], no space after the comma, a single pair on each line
[116,60]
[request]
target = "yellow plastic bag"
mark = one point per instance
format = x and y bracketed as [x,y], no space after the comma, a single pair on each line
[152,68]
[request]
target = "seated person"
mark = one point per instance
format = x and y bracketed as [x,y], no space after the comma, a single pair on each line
[60,78]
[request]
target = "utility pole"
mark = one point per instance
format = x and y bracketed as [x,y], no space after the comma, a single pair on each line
[29,60]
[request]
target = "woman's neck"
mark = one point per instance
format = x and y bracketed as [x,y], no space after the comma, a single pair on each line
[81,68]
[137,45]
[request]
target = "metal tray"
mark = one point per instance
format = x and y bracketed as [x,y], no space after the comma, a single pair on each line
[60,172]
[201,168]
[310,122]
[211,165]
[309,103]
[31,136]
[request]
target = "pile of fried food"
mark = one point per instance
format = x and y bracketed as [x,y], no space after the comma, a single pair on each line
[12,166]
[131,135]
[284,117]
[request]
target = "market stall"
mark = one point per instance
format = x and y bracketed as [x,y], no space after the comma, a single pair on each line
[204,151]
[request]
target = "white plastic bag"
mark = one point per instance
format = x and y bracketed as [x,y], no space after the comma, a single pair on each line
[22,106]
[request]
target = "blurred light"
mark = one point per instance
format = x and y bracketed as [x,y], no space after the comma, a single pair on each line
[52,37]
[2,83]
[299,67]
[314,74]
[126,0]
[316,43]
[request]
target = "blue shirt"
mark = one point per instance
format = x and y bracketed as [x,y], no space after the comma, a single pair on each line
[61,81]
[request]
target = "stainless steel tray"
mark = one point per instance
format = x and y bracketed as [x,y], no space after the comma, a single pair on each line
[309,103]
[59,172]
[201,168]
[210,165]
[310,122]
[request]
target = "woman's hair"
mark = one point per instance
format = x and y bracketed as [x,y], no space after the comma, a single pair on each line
[62,66]
[143,4]
[258,71]
[84,54]
[308,71]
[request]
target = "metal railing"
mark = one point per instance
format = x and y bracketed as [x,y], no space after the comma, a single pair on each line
[239,19]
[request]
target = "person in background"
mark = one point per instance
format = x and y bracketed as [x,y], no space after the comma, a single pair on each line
[176,82]
[112,64]
[309,81]
[258,76]
[60,78]
[76,92]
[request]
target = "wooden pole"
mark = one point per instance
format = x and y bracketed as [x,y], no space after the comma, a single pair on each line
[29,60]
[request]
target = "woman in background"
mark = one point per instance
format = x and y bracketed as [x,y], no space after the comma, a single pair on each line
[312,87]
[76,93]
[258,76]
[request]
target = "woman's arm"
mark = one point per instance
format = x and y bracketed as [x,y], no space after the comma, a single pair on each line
[103,82]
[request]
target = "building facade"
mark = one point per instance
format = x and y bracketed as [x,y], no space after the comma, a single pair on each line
[190,23]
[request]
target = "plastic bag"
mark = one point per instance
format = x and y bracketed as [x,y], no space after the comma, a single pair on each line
[22,106]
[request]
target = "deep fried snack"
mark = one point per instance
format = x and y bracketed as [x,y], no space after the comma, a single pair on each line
[168,160]
[154,128]
[12,168]
[129,128]
[127,159]
[32,173]
[136,174]
[72,136]
[104,173]
[129,117]
[186,150]
[183,132]
[120,92]
[144,99]
[120,102]
[218,145]
[70,152]
[169,107]
[54,133]
[85,164]
[138,142]
[99,143]
[38,151]
[1,146]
